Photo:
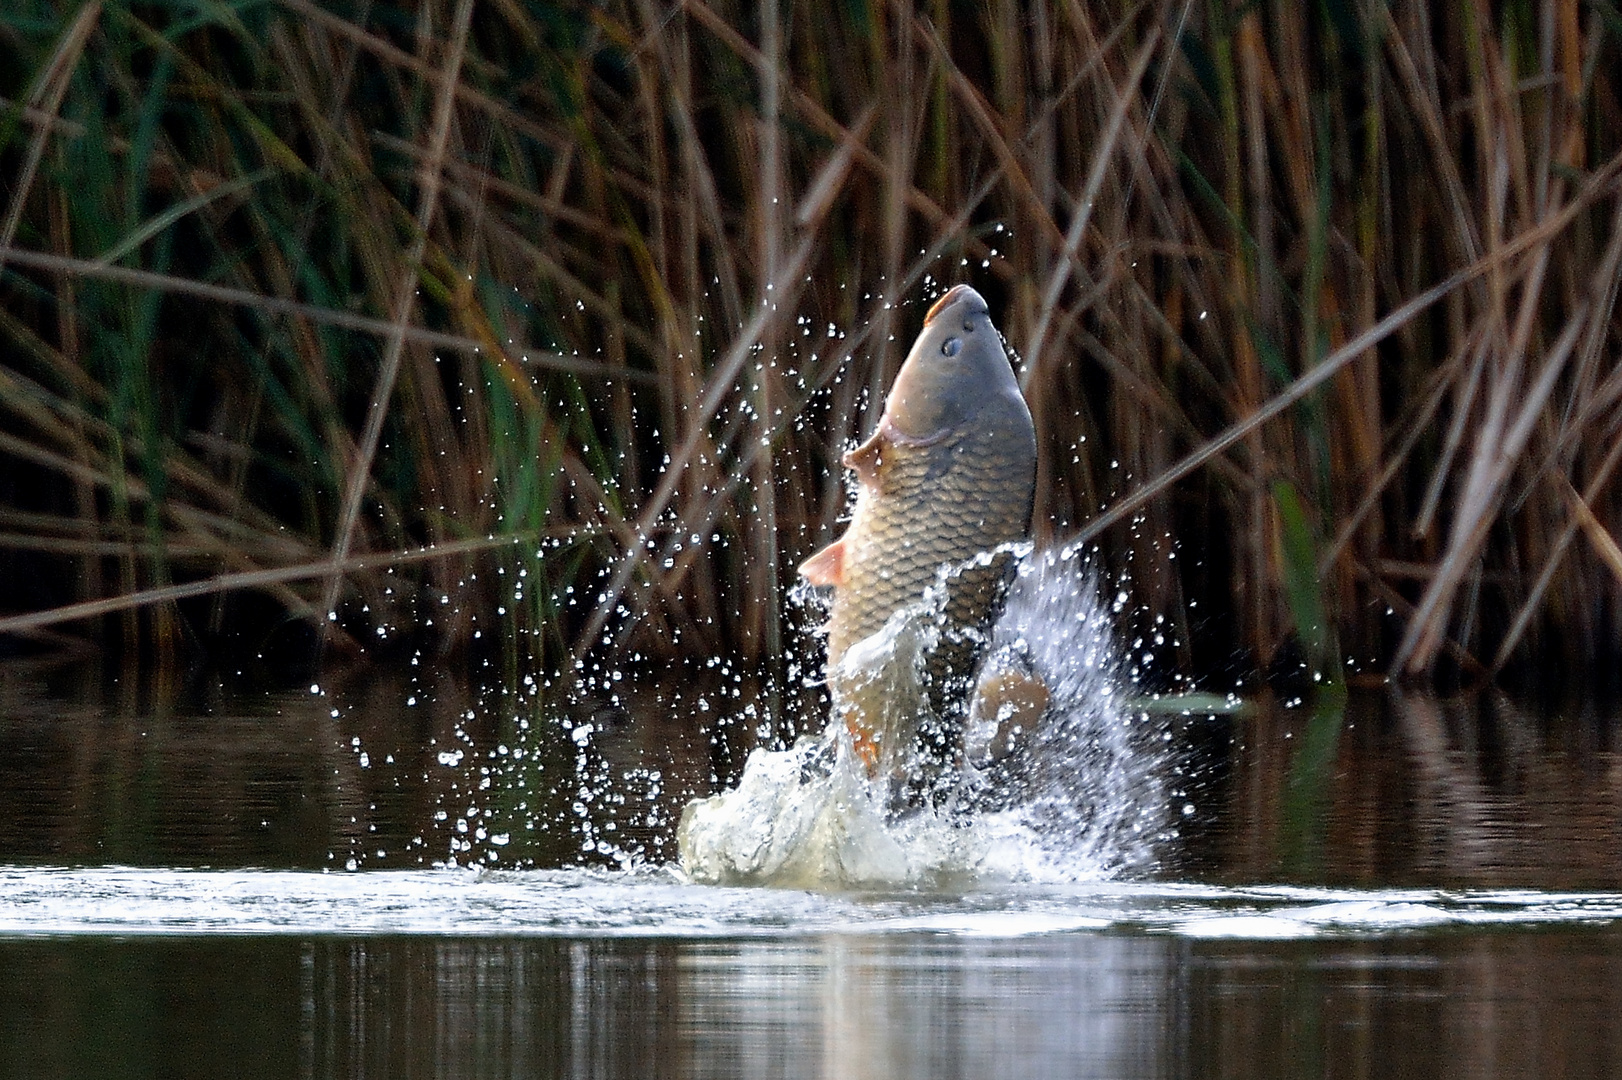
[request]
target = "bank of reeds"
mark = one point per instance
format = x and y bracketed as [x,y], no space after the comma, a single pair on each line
[545,324]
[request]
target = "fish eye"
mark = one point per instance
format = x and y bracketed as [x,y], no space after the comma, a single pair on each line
[951,346]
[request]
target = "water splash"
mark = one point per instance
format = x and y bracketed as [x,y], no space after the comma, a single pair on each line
[1081,796]
[1090,785]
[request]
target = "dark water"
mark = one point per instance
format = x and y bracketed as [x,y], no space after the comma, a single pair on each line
[1403,887]
[1515,1003]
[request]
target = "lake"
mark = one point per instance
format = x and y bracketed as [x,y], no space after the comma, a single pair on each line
[414,875]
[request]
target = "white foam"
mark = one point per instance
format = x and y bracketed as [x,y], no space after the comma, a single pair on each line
[598,903]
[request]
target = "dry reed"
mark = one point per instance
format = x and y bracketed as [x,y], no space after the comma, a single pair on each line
[572,308]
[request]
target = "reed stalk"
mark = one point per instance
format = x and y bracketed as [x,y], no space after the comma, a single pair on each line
[544,327]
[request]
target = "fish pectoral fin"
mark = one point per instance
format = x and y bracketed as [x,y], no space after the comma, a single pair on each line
[867,458]
[826,567]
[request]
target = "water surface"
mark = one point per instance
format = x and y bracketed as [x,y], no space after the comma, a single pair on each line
[414,876]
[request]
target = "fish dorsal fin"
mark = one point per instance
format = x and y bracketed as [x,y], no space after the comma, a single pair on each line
[867,458]
[826,567]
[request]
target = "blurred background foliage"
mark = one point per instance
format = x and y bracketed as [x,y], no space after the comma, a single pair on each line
[529,328]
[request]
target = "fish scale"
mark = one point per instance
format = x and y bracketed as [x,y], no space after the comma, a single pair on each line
[949,475]
[912,530]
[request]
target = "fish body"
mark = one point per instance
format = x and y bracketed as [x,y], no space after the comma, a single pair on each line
[946,478]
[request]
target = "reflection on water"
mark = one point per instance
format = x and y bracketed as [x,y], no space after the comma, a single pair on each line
[1409,789]
[396,770]
[924,1007]
[1088,1005]
[420,769]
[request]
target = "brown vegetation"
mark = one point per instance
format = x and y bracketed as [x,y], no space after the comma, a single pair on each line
[1315,304]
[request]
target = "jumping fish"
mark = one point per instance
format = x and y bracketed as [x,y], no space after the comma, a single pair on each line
[945,481]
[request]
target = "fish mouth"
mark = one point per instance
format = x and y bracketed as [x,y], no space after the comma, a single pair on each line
[952,296]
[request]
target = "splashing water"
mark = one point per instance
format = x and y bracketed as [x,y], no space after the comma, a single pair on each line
[1083,796]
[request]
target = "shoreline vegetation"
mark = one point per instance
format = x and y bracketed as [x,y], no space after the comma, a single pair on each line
[528,330]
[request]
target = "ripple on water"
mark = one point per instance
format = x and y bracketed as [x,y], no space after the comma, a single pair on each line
[654,902]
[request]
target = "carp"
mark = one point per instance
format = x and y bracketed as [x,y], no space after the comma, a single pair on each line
[945,485]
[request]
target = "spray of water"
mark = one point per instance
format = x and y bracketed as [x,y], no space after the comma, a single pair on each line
[1080,795]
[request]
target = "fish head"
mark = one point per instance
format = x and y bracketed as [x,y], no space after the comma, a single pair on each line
[955,367]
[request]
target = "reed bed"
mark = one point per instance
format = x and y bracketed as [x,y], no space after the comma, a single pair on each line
[538,329]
